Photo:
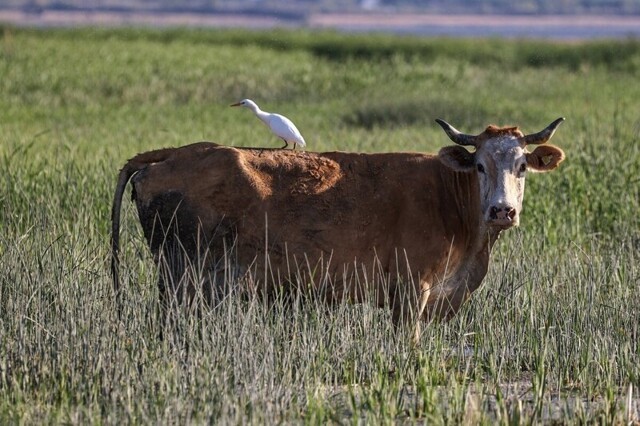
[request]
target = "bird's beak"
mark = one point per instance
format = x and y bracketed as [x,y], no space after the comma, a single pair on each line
[236,104]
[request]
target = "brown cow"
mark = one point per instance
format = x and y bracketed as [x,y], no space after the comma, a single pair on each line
[412,230]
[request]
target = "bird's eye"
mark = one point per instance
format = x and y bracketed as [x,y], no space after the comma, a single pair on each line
[523,167]
[480,168]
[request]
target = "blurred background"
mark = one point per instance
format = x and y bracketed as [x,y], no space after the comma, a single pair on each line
[565,19]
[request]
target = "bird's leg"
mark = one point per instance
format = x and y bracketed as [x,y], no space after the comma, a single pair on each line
[286,144]
[294,146]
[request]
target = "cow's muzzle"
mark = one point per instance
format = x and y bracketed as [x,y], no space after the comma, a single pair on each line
[503,216]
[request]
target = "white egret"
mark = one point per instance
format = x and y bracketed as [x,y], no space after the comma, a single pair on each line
[279,124]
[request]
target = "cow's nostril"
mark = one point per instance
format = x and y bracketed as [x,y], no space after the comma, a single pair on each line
[493,212]
[502,213]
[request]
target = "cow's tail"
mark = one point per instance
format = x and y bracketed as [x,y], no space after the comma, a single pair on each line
[123,178]
[132,167]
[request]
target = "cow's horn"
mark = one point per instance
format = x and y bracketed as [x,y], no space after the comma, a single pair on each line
[542,136]
[455,135]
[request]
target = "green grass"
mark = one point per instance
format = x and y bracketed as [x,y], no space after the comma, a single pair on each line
[552,334]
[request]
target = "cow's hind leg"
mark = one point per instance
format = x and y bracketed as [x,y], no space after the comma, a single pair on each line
[177,283]
[170,273]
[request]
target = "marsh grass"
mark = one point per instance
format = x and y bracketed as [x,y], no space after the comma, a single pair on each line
[552,335]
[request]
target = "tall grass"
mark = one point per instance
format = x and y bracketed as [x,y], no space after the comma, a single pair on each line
[551,335]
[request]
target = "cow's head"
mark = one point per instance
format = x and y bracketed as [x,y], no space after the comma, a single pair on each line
[501,161]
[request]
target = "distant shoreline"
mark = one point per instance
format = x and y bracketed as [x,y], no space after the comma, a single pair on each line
[512,26]
[561,27]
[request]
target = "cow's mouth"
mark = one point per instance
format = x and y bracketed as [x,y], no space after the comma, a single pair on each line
[503,223]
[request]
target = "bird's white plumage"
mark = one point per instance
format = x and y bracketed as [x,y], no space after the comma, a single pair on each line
[280,125]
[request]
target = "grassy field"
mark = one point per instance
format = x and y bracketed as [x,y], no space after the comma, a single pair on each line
[553,334]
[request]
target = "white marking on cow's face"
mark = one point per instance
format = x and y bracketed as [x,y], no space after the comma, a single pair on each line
[501,166]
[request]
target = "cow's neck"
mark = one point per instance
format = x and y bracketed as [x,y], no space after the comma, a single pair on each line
[487,237]
[477,236]
[470,239]
[460,193]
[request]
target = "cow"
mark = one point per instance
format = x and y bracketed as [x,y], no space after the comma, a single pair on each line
[409,231]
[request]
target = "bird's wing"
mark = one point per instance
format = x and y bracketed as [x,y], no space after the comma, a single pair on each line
[284,128]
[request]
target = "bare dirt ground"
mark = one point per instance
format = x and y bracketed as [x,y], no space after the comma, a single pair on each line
[564,27]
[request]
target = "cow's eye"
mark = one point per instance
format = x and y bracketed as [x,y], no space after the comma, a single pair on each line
[523,167]
[480,168]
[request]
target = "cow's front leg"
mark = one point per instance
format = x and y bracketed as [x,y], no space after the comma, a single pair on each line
[423,298]
[408,301]
[451,305]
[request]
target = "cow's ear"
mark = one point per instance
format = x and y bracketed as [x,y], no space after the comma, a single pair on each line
[545,158]
[457,158]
